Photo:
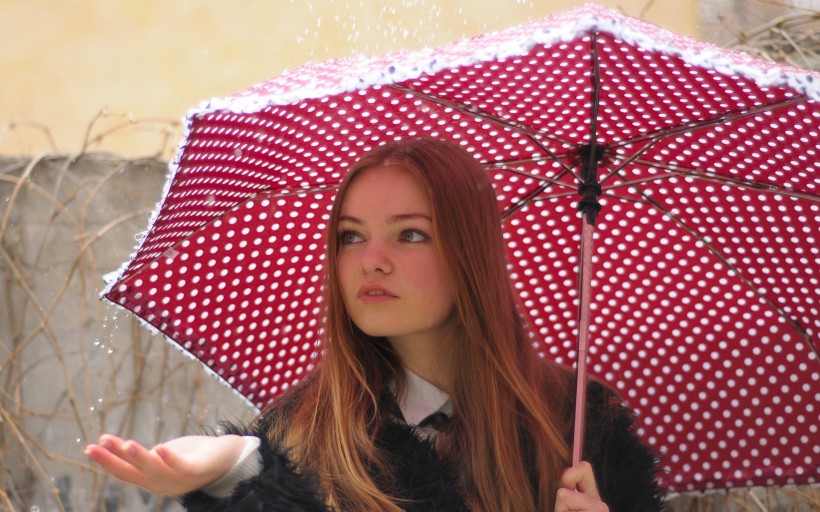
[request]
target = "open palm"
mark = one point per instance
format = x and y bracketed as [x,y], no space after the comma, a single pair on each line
[174,468]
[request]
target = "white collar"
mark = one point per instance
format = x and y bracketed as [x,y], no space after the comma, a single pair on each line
[421,399]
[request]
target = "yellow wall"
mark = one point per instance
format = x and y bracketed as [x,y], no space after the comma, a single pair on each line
[63,62]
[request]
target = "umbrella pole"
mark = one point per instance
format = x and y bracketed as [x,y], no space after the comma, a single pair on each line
[583,341]
[590,190]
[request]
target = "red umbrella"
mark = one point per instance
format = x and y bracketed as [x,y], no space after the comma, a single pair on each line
[700,296]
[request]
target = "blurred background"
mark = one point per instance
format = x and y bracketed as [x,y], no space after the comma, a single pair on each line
[92,96]
[86,65]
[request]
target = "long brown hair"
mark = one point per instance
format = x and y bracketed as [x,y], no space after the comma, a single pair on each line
[508,427]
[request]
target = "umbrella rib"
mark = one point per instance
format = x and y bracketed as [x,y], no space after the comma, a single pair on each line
[726,117]
[634,157]
[794,324]
[551,181]
[724,180]
[550,197]
[476,112]
[630,183]
[760,186]
[532,197]
[595,100]
[530,160]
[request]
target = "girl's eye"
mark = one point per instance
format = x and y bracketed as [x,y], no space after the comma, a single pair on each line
[349,237]
[413,236]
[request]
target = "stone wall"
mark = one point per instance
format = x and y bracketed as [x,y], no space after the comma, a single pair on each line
[73,366]
[781,31]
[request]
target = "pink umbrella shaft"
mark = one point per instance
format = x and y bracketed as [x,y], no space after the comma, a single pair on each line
[585,278]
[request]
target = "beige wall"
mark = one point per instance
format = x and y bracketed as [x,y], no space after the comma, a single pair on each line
[63,62]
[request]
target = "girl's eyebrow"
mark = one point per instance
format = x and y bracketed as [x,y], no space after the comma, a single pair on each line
[393,219]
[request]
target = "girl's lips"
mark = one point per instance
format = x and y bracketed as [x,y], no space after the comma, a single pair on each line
[374,294]
[371,299]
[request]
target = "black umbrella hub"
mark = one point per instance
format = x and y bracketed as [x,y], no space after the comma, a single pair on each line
[591,156]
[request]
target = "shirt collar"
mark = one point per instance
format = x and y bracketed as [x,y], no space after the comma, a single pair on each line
[421,399]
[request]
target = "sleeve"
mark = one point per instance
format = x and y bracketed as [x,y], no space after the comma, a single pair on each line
[277,487]
[626,470]
[248,465]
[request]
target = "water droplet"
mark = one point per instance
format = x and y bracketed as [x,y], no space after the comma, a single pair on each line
[35,508]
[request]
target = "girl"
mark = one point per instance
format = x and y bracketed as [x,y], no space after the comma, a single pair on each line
[429,396]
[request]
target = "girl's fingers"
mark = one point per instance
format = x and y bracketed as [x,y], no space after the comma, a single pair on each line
[572,500]
[576,501]
[131,462]
[171,458]
[115,465]
[140,457]
[579,491]
[110,442]
[581,478]
[115,445]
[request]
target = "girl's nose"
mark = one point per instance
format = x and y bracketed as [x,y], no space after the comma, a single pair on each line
[375,258]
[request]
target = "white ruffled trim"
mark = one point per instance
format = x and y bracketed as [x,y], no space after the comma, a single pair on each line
[359,72]
[112,278]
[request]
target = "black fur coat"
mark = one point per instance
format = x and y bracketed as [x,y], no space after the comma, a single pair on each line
[625,471]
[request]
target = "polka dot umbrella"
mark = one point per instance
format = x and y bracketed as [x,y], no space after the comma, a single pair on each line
[700,286]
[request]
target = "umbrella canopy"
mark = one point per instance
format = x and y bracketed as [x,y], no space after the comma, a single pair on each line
[705,275]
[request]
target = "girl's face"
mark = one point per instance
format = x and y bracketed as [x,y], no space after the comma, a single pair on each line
[391,277]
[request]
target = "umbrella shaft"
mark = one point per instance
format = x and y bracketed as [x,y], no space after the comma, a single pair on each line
[585,278]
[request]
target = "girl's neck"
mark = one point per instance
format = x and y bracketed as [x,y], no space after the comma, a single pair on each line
[426,358]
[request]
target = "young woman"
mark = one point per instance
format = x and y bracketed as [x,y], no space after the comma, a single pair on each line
[430,395]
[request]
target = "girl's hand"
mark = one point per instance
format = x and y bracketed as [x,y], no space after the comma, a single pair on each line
[175,468]
[578,491]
